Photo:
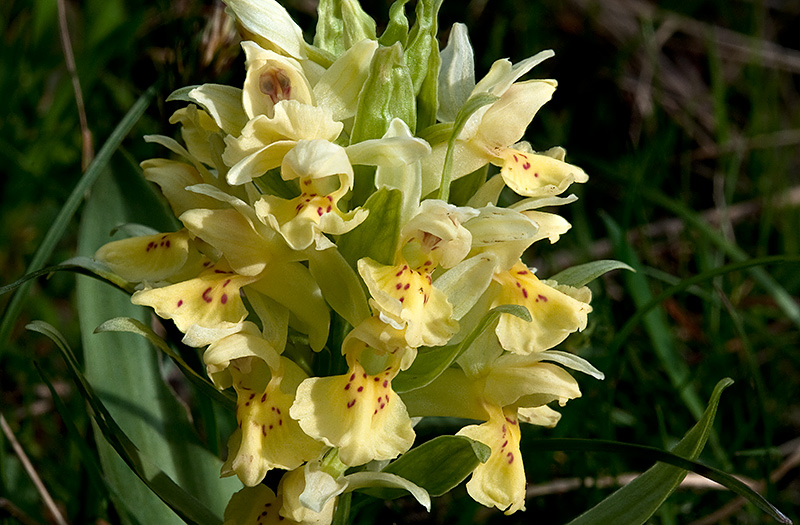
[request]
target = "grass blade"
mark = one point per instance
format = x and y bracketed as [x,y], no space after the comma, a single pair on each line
[67,212]
[181,502]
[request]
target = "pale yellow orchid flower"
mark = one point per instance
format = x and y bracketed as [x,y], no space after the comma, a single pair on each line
[152,258]
[358,412]
[556,310]
[325,175]
[267,437]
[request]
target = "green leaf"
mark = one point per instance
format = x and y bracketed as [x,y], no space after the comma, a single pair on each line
[64,218]
[125,371]
[81,265]
[437,465]
[661,336]
[134,326]
[340,285]
[181,502]
[429,364]
[397,28]
[583,274]
[422,43]
[637,501]
[377,236]
[329,34]
[387,94]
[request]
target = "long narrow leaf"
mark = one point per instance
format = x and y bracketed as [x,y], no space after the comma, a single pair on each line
[684,284]
[81,265]
[134,326]
[125,370]
[636,502]
[182,503]
[64,217]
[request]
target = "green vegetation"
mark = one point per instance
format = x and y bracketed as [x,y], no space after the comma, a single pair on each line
[686,118]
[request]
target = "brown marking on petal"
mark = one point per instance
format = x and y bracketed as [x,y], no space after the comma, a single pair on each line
[167,243]
[398,274]
[319,212]
[224,298]
[525,293]
[307,181]
[402,299]
[510,457]
[385,383]
[363,375]
[361,389]
[264,398]
[180,303]
[352,376]
[247,404]
[512,421]
[428,277]
[536,175]
[280,422]
[226,283]
[515,158]
[263,430]
[278,410]
[377,379]
[398,286]
[526,165]
[519,285]
[407,286]
[383,405]
[351,403]
[270,427]
[328,210]
[220,271]
[504,444]
[275,83]
[425,299]
[522,272]
[252,396]
[427,263]
[376,411]
[347,386]
[542,298]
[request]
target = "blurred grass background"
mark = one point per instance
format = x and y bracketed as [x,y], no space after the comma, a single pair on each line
[685,115]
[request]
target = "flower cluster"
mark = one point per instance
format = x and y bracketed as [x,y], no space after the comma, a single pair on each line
[338,203]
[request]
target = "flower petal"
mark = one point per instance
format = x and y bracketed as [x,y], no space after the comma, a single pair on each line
[271,78]
[209,300]
[554,314]
[408,297]
[269,437]
[147,258]
[538,175]
[358,413]
[500,482]
[256,505]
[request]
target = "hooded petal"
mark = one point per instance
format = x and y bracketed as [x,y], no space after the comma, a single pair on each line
[292,486]
[249,342]
[500,482]
[271,78]
[356,412]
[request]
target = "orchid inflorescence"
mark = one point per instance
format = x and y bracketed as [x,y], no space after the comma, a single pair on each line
[339,204]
